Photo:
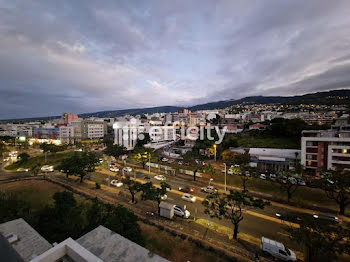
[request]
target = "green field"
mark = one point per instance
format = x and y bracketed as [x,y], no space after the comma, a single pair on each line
[268,142]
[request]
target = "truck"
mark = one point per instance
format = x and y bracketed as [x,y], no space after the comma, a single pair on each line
[277,250]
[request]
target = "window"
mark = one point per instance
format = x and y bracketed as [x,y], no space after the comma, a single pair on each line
[308,156]
[282,252]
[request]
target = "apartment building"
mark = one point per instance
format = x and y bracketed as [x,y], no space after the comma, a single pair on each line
[67,118]
[325,150]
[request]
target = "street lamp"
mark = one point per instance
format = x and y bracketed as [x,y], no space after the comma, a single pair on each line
[225,175]
[214,152]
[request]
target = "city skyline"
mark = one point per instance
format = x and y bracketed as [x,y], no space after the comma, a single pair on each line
[88,56]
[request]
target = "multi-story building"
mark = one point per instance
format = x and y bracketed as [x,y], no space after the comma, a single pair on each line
[325,150]
[66,134]
[67,118]
[46,133]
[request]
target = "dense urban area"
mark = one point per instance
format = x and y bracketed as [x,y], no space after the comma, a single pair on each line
[248,182]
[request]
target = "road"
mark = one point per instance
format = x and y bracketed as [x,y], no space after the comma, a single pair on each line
[254,225]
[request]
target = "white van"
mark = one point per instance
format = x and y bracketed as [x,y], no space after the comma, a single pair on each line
[277,250]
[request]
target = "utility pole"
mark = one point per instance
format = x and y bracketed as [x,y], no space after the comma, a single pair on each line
[225,176]
[149,163]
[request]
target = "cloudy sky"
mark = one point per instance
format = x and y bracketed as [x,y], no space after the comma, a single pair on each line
[86,56]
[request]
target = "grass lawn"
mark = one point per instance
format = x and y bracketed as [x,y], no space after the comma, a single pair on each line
[175,248]
[268,142]
[37,193]
[52,159]
[303,195]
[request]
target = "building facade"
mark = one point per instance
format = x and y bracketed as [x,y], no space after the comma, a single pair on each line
[325,150]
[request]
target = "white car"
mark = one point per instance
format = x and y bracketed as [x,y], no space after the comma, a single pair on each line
[164,197]
[301,182]
[47,168]
[116,183]
[23,169]
[189,198]
[165,159]
[247,173]
[127,169]
[277,250]
[273,177]
[160,177]
[263,176]
[181,212]
[292,180]
[230,172]
[114,169]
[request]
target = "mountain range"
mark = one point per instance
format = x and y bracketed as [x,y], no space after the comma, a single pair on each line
[333,97]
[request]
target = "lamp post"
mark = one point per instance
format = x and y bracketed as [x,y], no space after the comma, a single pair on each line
[149,163]
[225,176]
[215,152]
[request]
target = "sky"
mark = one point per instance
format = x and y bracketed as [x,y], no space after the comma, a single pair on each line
[85,56]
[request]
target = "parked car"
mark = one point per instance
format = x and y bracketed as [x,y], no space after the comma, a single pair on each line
[273,177]
[230,172]
[235,166]
[187,189]
[180,163]
[165,159]
[23,169]
[100,160]
[247,173]
[171,161]
[277,250]
[326,217]
[114,169]
[262,176]
[223,170]
[181,212]
[301,182]
[164,197]
[116,183]
[292,180]
[47,168]
[160,177]
[189,197]
[127,169]
[209,189]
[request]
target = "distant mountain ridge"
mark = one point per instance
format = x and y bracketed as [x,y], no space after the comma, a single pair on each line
[333,97]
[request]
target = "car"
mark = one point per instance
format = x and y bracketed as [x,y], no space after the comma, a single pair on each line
[164,197]
[127,169]
[247,173]
[301,182]
[114,169]
[187,164]
[326,217]
[277,250]
[180,163]
[273,177]
[181,212]
[284,180]
[292,180]
[160,177]
[187,189]
[100,160]
[47,168]
[23,169]
[290,216]
[223,170]
[235,166]
[165,159]
[262,176]
[230,172]
[6,159]
[189,198]
[197,161]
[116,183]
[209,189]
[171,161]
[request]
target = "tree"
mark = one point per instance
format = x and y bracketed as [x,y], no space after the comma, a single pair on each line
[80,164]
[133,187]
[61,220]
[230,206]
[336,185]
[141,142]
[144,157]
[115,150]
[288,184]
[323,240]
[51,148]
[149,192]
[23,157]
[231,158]
[11,207]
